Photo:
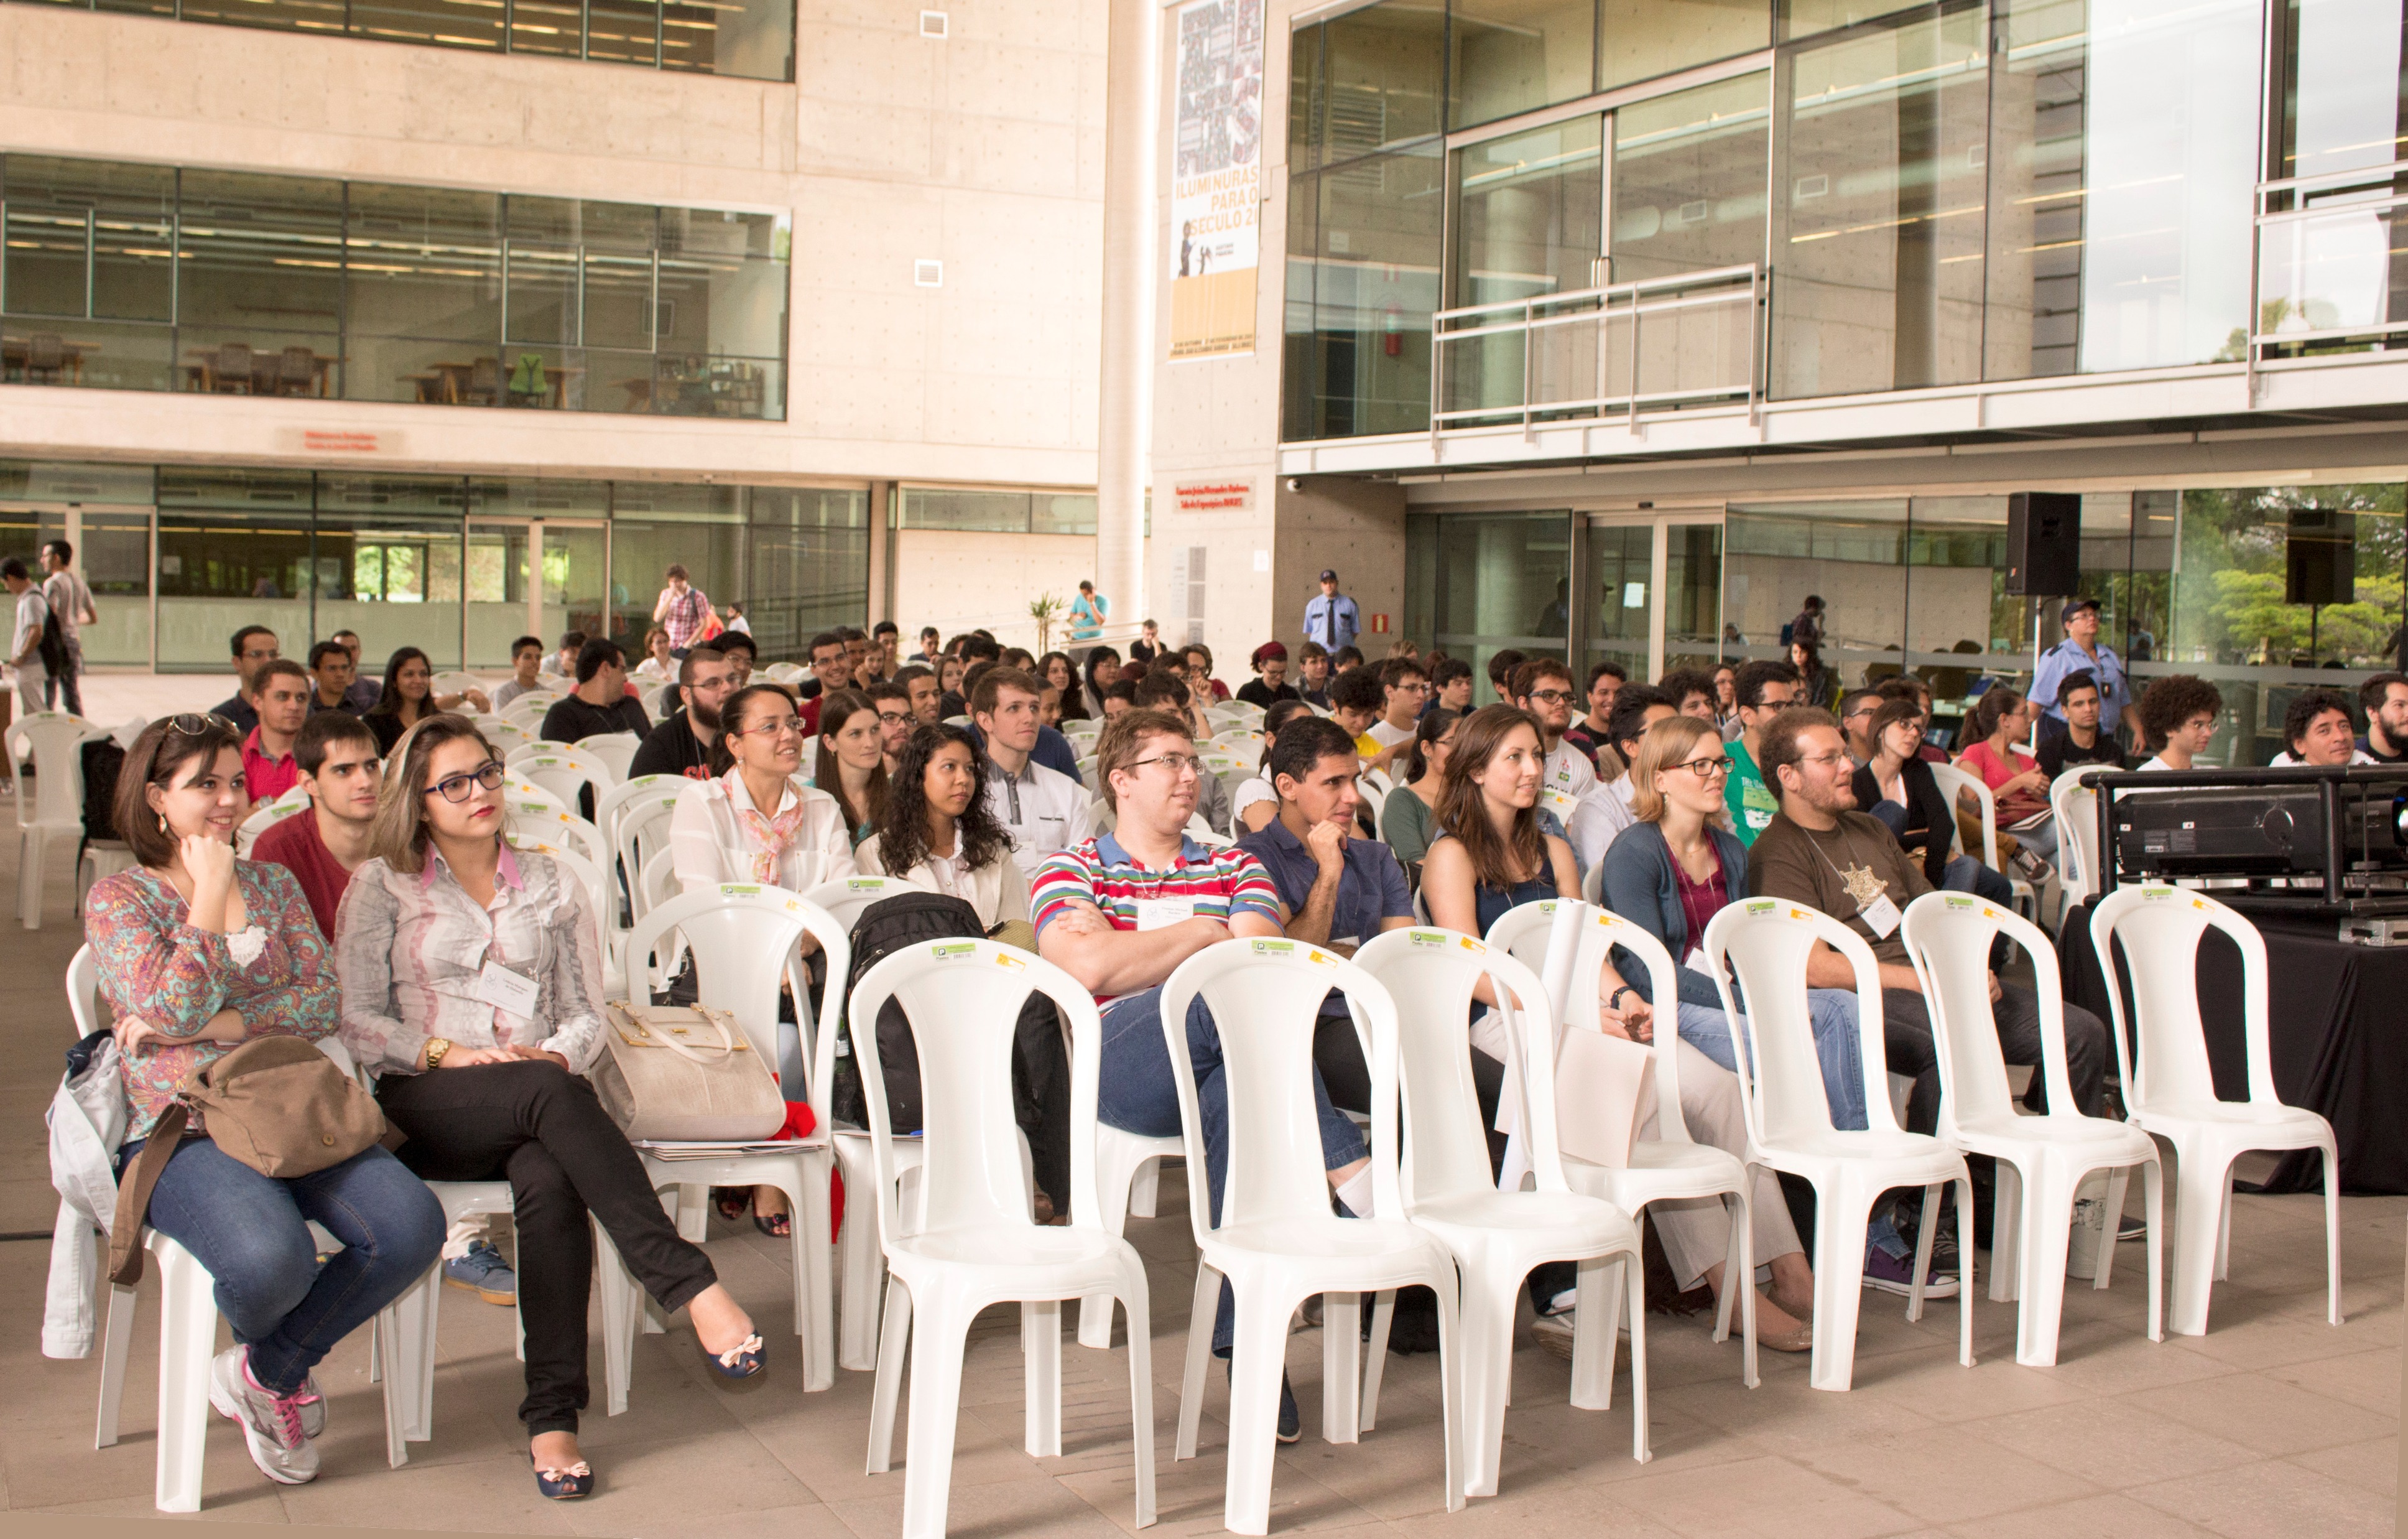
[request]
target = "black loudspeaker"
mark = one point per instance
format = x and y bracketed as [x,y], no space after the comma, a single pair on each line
[2045,543]
[2320,558]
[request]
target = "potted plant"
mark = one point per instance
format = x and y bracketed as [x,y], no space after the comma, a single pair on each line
[1045,609]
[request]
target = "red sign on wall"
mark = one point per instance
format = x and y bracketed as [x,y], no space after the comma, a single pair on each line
[1379,623]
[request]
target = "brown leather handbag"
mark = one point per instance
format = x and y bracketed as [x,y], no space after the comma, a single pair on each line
[276,1103]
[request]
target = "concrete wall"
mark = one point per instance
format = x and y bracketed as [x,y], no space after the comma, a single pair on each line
[983,150]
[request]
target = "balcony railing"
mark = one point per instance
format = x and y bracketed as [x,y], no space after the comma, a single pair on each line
[2331,278]
[1635,349]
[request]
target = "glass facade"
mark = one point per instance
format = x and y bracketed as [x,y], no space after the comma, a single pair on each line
[2198,581]
[148,277]
[754,40]
[179,558]
[996,512]
[1938,194]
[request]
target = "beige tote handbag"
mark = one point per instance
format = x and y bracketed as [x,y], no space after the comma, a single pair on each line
[677,1074]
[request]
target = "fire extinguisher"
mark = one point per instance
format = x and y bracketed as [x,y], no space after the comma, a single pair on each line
[1391,331]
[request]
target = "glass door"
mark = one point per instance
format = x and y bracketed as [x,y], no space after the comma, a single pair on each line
[112,553]
[1479,584]
[503,605]
[1652,591]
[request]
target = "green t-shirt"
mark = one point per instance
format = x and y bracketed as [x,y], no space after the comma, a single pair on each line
[1752,806]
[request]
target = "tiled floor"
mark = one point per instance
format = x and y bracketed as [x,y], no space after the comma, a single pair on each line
[2275,1424]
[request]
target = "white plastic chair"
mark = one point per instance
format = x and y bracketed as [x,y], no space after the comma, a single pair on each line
[504,734]
[1671,1166]
[746,943]
[552,826]
[1953,782]
[534,748]
[640,837]
[1497,1236]
[784,673]
[2042,1160]
[454,683]
[2077,835]
[1278,1241]
[2172,1094]
[655,699]
[609,810]
[566,774]
[974,1243]
[266,815]
[1768,941]
[54,742]
[527,712]
[613,751]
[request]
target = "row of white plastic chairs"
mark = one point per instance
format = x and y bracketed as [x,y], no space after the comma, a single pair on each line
[1264,993]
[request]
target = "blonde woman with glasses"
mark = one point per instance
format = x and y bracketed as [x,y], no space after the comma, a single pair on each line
[472,986]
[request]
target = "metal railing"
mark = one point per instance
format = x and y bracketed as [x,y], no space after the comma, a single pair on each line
[2325,259]
[1646,346]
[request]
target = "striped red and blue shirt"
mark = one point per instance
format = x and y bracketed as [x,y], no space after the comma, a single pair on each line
[1204,883]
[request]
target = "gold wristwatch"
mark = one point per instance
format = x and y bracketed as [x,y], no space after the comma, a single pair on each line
[436,1048]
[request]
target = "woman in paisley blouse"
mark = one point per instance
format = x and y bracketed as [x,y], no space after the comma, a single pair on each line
[199,951]
[472,986]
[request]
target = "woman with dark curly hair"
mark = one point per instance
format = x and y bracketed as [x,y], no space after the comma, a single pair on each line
[939,833]
[1057,670]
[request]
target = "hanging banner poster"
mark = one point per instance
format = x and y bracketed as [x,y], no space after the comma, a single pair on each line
[1216,179]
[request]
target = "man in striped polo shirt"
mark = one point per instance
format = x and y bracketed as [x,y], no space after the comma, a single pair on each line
[1121,910]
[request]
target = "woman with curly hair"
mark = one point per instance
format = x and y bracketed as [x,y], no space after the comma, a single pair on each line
[939,832]
[1057,670]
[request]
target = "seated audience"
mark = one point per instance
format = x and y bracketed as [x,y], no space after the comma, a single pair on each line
[939,831]
[660,663]
[831,670]
[2383,697]
[198,951]
[1588,733]
[1500,673]
[1763,690]
[1491,856]
[1255,802]
[1040,807]
[1675,868]
[1098,673]
[680,745]
[743,655]
[1060,674]
[851,766]
[1356,697]
[409,697]
[1269,686]
[1199,674]
[254,648]
[1856,714]
[719,832]
[2179,712]
[919,684]
[1406,689]
[2317,730]
[1906,686]
[1163,690]
[280,697]
[484,1079]
[1897,786]
[1405,820]
[2001,722]
[526,671]
[1312,674]
[333,679]
[341,769]
[562,664]
[1603,815]
[1726,677]
[895,721]
[600,704]
[1825,854]
[2082,739]
[1449,684]
[1692,693]
[1121,910]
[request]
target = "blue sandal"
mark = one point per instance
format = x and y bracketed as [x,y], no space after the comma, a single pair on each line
[565,1485]
[740,1362]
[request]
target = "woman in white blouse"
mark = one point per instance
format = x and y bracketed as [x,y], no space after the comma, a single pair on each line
[472,986]
[718,833]
[939,833]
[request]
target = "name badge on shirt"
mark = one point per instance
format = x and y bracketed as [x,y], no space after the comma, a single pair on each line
[1696,961]
[1162,912]
[1556,799]
[504,989]
[1881,916]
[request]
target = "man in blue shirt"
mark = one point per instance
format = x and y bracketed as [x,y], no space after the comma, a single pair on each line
[1331,619]
[2081,650]
[1336,889]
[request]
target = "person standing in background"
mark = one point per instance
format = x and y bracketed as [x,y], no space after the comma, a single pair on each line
[25,641]
[1087,612]
[1331,618]
[70,599]
[682,610]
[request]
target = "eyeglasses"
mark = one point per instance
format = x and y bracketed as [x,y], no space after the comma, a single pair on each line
[893,718]
[1704,769]
[192,724]
[1180,764]
[1412,688]
[1842,756]
[776,728]
[1553,696]
[486,776]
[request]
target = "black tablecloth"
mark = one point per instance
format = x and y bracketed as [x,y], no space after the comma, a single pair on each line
[2336,1027]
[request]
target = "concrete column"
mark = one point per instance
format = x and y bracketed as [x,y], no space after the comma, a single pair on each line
[1125,379]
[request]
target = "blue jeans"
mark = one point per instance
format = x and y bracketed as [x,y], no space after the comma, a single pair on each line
[251,1231]
[1833,1012]
[1965,874]
[1139,1096]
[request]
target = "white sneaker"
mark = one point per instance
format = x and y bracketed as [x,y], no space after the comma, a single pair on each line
[272,1425]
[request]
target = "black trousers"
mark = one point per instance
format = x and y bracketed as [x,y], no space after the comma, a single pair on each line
[543,1129]
[1337,1053]
[1906,1035]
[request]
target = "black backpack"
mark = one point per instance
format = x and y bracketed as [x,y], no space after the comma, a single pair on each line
[103,761]
[52,647]
[1040,1077]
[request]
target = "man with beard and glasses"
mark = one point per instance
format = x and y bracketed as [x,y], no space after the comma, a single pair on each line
[681,745]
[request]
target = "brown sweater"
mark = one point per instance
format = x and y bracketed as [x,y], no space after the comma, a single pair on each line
[1788,861]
